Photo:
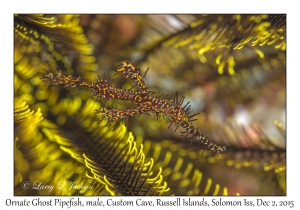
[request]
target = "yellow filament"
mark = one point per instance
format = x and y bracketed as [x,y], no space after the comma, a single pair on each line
[216,190]
[208,185]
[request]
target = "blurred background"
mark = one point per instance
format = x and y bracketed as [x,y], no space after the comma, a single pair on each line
[231,68]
